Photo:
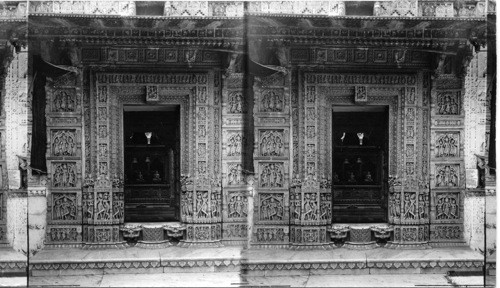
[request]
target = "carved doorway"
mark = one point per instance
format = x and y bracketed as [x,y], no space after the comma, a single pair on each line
[360,141]
[151,163]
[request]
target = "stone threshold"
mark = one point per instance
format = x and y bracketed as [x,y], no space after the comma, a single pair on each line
[12,263]
[254,262]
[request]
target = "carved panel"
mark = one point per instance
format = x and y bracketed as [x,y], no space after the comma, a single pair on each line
[64,174]
[447,176]
[448,206]
[64,234]
[64,206]
[447,145]
[448,103]
[103,206]
[272,100]
[234,143]
[272,143]
[235,174]
[235,231]
[235,102]
[237,205]
[63,143]
[271,175]
[271,207]
[64,100]
[273,234]
[450,233]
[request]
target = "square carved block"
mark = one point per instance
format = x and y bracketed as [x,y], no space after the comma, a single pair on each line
[411,233]
[64,100]
[446,145]
[232,144]
[271,100]
[272,175]
[447,207]
[203,232]
[271,207]
[308,235]
[65,175]
[446,176]
[272,143]
[65,143]
[447,232]
[235,231]
[64,234]
[271,234]
[236,208]
[101,233]
[65,207]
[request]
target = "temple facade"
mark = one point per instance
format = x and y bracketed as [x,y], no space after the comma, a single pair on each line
[269,124]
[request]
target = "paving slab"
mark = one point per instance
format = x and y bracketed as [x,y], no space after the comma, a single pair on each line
[13,281]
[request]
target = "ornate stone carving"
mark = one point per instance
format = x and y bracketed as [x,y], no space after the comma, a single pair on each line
[237,205]
[271,175]
[448,232]
[325,209]
[187,203]
[64,206]
[64,143]
[447,206]
[235,102]
[395,205]
[447,176]
[310,207]
[448,103]
[271,143]
[447,145]
[237,231]
[410,205]
[63,234]
[103,206]
[202,204]
[64,175]
[272,100]
[64,101]
[360,94]
[271,206]
[270,234]
[234,144]
[235,175]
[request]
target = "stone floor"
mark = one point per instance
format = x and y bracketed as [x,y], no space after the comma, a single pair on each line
[232,279]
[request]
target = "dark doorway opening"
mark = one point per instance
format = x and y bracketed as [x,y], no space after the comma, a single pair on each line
[152,163]
[360,147]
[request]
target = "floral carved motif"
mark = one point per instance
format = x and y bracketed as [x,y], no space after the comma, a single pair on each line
[64,143]
[271,207]
[447,206]
[64,207]
[271,143]
[64,175]
[448,232]
[63,234]
[272,175]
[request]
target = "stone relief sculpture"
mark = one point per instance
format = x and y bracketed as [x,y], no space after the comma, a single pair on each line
[235,175]
[272,101]
[64,207]
[271,143]
[238,205]
[64,143]
[447,206]
[103,208]
[271,175]
[64,175]
[271,207]
[64,102]
[409,206]
[325,212]
[215,204]
[234,145]
[202,210]
[310,206]
[447,145]
[270,235]
[235,102]
[63,234]
[187,204]
[447,176]
[447,103]
[395,205]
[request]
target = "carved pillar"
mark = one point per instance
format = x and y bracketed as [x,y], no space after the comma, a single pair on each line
[447,176]
[64,158]
[271,160]
[204,195]
[236,207]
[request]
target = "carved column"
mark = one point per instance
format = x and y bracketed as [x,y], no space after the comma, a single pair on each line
[235,209]
[447,176]
[271,160]
[64,158]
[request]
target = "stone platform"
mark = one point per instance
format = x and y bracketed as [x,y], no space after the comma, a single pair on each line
[12,263]
[254,262]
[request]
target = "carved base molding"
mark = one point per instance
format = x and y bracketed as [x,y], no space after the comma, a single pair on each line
[63,246]
[269,246]
[208,244]
[13,267]
[361,246]
[99,246]
[326,246]
[154,245]
[393,245]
